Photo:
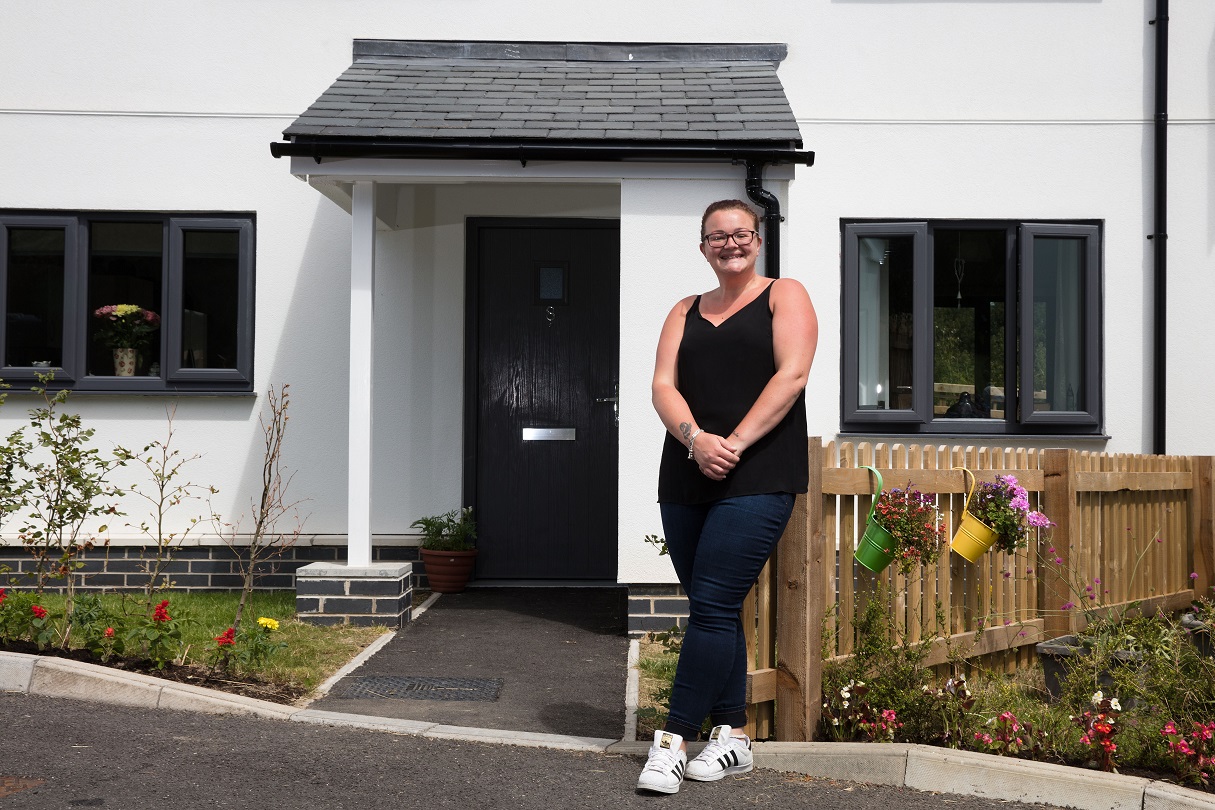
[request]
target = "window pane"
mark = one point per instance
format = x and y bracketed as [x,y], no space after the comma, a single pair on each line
[884,339]
[210,288]
[34,321]
[125,267]
[969,324]
[1058,264]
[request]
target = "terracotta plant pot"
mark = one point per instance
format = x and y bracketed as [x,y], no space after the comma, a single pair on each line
[448,571]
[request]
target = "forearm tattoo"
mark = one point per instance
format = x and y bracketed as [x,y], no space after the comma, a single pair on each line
[686,429]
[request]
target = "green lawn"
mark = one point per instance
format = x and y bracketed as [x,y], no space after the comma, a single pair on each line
[312,654]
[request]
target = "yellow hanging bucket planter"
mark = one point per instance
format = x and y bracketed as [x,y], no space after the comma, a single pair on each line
[875,550]
[974,537]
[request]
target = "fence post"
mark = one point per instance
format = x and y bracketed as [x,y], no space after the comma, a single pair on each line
[799,610]
[1054,578]
[1202,518]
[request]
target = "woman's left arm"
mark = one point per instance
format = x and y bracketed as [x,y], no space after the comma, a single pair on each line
[794,339]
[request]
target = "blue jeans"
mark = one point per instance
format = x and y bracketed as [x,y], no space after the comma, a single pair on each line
[718,550]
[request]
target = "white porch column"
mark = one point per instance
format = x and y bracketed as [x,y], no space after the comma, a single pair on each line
[362,299]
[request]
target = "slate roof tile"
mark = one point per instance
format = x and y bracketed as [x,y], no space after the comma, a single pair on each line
[671,92]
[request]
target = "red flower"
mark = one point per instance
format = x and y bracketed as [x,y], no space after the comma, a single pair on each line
[226,637]
[38,611]
[109,632]
[161,614]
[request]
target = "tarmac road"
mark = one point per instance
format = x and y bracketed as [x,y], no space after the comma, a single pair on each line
[58,753]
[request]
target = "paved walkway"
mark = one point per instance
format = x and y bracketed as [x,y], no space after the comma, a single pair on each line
[544,660]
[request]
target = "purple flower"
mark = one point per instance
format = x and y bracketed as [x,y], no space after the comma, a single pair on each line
[1058,560]
[1193,575]
[1068,606]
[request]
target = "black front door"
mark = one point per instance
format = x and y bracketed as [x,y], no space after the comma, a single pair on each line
[544,307]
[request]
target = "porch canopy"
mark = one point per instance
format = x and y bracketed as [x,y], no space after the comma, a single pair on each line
[512,103]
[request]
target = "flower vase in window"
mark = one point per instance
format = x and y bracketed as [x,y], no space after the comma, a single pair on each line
[125,329]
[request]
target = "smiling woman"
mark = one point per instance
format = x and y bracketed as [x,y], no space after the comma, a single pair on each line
[729,380]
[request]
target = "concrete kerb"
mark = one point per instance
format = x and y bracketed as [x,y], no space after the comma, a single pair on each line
[920,767]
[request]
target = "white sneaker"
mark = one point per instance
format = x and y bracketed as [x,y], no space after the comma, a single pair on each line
[724,754]
[663,771]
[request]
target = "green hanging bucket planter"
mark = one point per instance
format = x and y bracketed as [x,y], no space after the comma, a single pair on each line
[974,537]
[876,548]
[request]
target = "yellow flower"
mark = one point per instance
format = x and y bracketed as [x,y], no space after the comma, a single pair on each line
[269,624]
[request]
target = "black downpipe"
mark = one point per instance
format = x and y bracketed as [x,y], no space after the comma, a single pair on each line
[1160,234]
[772,218]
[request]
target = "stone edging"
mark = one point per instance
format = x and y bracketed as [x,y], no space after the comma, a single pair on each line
[921,767]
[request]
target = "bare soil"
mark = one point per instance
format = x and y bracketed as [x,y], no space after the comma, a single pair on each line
[193,674]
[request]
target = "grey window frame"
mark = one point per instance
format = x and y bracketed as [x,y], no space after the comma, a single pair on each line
[920,419]
[921,409]
[173,379]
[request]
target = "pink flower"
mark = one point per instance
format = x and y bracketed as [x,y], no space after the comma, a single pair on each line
[1068,606]
[1058,561]
[1193,575]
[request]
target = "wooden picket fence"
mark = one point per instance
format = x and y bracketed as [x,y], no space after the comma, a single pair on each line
[1133,528]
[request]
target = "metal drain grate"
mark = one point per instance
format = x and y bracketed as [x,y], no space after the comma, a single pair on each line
[419,688]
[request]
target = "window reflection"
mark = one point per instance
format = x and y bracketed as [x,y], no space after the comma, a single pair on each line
[210,285]
[969,324]
[1058,324]
[34,320]
[885,323]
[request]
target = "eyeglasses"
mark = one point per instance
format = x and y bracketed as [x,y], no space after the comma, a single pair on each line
[718,239]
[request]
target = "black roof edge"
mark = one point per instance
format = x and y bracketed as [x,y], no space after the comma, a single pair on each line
[523,151]
[773,52]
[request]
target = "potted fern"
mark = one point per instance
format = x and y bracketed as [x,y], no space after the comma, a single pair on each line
[447,549]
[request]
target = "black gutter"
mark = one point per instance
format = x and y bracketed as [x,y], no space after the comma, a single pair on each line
[1159,235]
[524,151]
[772,218]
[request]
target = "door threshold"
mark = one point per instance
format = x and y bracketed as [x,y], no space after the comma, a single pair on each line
[544,583]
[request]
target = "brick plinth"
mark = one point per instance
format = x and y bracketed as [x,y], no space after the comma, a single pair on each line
[656,609]
[330,594]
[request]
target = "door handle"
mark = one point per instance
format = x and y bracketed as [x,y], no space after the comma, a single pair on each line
[615,400]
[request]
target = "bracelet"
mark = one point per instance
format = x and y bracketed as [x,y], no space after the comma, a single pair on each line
[692,442]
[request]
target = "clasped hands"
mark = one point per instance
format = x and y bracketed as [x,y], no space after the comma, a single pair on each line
[714,455]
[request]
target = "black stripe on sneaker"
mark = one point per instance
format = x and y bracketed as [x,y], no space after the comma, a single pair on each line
[679,769]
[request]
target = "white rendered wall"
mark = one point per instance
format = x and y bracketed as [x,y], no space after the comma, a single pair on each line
[1004,110]
[660,263]
[420,271]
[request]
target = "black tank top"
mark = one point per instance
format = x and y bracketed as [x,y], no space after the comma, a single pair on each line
[721,372]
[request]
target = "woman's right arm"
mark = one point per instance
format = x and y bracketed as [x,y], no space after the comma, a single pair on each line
[714,455]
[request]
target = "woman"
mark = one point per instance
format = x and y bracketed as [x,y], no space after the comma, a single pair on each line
[729,379]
